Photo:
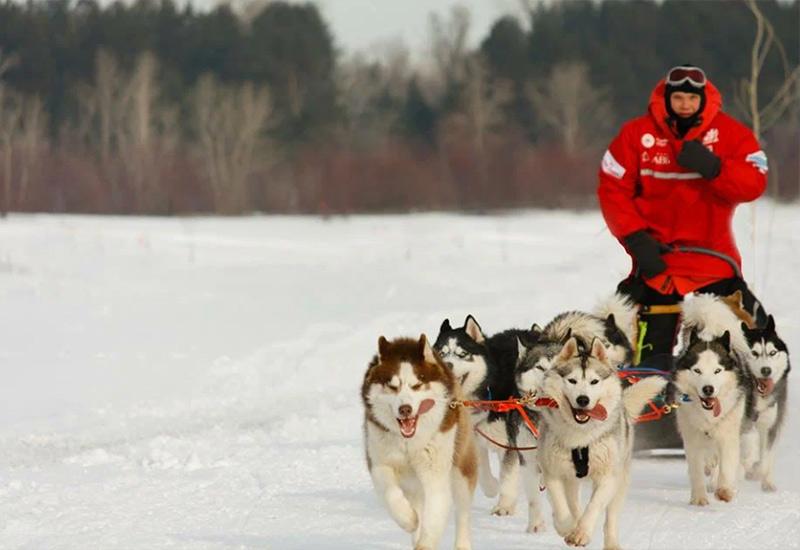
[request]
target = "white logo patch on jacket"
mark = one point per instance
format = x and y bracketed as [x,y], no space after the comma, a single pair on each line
[759,160]
[712,136]
[611,167]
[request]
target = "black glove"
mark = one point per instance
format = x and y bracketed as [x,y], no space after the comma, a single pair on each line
[647,253]
[695,156]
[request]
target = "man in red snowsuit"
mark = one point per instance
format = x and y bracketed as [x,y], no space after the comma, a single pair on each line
[673,178]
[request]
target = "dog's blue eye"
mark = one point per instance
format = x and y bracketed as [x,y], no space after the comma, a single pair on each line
[755,354]
[773,353]
[572,381]
[416,386]
[717,371]
[697,371]
[540,368]
[593,382]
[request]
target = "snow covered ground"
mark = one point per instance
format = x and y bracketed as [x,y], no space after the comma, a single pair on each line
[193,383]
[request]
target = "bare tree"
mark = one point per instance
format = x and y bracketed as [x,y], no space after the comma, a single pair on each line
[569,105]
[449,54]
[22,138]
[31,143]
[135,128]
[762,118]
[230,122]
[484,100]
[363,88]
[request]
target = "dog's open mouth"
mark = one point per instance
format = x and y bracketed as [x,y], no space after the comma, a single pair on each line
[765,386]
[408,426]
[711,404]
[582,416]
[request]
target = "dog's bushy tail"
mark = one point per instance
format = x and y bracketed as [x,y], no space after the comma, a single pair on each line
[623,310]
[636,396]
[711,317]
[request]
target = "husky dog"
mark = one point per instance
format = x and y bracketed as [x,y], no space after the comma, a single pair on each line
[613,323]
[716,394]
[590,434]
[485,368]
[768,364]
[419,448]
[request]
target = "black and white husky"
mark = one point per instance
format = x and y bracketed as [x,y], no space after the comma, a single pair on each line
[485,368]
[714,392]
[589,434]
[768,364]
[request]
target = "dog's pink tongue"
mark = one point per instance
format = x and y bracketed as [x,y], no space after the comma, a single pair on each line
[598,412]
[717,407]
[426,405]
[765,386]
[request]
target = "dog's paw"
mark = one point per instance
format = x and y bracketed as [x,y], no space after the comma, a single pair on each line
[564,526]
[538,526]
[725,494]
[503,510]
[768,486]
[578,537]
[698,501]
[408,522]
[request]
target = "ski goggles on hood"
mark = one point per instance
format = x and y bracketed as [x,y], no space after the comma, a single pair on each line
[682,74]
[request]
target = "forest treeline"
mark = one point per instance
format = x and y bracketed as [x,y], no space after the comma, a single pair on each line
[148,107]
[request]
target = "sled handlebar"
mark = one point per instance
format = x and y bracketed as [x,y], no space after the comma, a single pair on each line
[708,252]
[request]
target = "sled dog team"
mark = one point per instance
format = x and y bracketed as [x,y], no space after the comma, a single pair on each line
[427,446]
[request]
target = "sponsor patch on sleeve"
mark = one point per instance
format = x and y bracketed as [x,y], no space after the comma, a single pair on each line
[611,167]
[759,160]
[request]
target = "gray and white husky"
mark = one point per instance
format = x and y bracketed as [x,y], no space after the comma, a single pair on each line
[714,391]
[589,435]
[768,364]
[613,322]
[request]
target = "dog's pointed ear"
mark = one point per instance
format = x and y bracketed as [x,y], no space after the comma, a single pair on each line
[521,349]
[599,350]
[694,338]
[445,326]
[567,336]
[725,340]
[770,328]
[536,329]
[611,322]
[383,348]
[745,328]
[426,351]
[473,329]
[737,298]
[569,350]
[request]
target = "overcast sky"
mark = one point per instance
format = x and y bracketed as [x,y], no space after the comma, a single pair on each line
[367,24]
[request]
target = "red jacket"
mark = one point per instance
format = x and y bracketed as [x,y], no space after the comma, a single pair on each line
[643,187]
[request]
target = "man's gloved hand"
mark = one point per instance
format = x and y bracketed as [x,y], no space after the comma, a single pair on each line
[647,253]
[695,156]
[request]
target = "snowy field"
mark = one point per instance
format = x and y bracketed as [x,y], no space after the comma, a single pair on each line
[194,383]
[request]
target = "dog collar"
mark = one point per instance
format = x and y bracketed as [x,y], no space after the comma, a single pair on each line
[580,459]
